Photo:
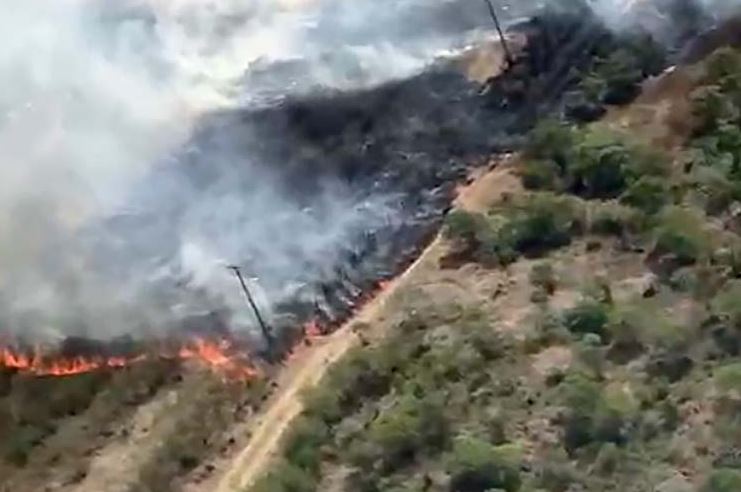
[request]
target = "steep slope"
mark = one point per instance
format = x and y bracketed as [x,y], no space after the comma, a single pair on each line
[580,334]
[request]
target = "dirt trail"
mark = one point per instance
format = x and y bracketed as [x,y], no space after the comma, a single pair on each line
[308,367]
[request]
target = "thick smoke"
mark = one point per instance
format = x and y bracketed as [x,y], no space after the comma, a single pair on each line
[102,229]
[668,20]
[115,220]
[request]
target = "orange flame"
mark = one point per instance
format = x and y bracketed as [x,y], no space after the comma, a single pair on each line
[218,356]
[312,329]
[383,285]
[41,366]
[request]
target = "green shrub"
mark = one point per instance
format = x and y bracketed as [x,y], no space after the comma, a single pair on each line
[303,445]
[410,427]
[20,442]
[286,478]
[641,327]
[600,172]
[595,414]
[681,233]
[589,316]
[361,374]
[324,402]
[557,475]
[539,223]
[543,277]
[723,63]
[551,141]
[643,323]
[611,219]
[711,108]
[463,225]
[712,190]
[723,480]
[608,459]
[727,303]
[648,194]
[606,163]
[477,466]
[728,380]
[543,175]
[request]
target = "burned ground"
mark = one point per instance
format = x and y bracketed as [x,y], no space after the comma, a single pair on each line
[414,140]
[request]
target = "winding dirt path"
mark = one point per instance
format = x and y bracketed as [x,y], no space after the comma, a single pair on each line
[310,365]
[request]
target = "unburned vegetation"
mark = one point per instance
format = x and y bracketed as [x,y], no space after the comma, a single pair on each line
[608,358]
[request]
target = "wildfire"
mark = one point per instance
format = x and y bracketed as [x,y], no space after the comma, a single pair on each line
[219,356]
[312,329]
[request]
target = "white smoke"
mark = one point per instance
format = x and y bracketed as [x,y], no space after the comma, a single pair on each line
[660,16]
[99,99]
[97,95]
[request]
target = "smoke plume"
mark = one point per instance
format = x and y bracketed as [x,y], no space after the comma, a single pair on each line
[126,191]
[104,227]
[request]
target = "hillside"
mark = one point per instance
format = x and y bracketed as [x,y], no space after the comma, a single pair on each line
[540,294]
[576,328]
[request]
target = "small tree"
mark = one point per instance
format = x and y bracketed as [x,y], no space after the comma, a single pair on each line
[728,381]
[477,466]
[723,480]
[711,108]
[543,277]
[682,233]
[551,141]
[589,316]
[286,478]
[648,194]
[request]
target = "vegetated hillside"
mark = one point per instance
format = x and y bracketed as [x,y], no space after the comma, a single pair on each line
[583,333]
[133,429]
[156,426]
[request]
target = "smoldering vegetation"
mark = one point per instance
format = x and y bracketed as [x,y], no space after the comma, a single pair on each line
[322,197]
[317,194]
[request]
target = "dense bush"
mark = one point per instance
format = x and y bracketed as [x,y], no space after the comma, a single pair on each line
[594,413]
[286,477]
[648,194]
[724,480]
[589,316]
[612,219]
[477,466]
[646,325]
[303,445]
[551,141]
[682,233]
[728,380]
[711,190]
[712,108]
[543,278]
[413,426]
[727,303]
[606,164]
[539,223]
[593,163]
[18,444]
[465,226]
[531,226]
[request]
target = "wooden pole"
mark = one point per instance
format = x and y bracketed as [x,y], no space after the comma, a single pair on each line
[498,25]
[263,326]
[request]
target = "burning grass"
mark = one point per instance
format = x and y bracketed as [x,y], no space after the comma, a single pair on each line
[221,355]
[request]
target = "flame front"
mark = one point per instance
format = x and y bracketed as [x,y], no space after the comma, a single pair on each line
[62,366]
[216,355]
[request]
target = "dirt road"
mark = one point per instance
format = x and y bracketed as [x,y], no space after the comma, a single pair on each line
[308,367]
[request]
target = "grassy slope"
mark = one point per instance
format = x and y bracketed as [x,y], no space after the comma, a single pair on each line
[584,337]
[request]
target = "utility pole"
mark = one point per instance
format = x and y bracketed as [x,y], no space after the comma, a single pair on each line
[498,25]
[263,326]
